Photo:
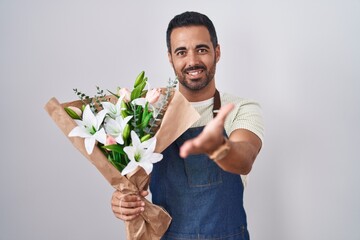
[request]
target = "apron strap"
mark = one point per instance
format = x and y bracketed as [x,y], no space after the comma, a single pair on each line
[217,103]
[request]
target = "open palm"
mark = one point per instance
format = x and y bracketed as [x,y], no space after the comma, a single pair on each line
[210,138]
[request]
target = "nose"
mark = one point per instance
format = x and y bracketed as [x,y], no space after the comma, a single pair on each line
[192,59]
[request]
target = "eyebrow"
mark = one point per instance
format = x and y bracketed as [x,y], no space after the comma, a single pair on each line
[197,47]
[179,49]
[202,46]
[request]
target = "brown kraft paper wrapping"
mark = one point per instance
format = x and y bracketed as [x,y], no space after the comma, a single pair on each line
[154,221]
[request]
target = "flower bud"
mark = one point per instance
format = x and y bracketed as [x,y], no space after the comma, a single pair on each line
[124,92]
[110,140]
[76,110]
[124,108]
[146,137]
[126,132]
[139,78]
[73,112]
[153,95]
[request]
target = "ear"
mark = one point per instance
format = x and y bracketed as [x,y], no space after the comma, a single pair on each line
[170,58]
[217,53]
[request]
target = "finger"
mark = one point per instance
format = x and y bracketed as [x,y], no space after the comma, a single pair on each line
[224,111]
[126,198]
[186,149]
[131,211]
[196,145]
[118,195]
[128,202]
[127,214]
[132,204]
[127,210]
[144,193]
[126,218]
[122,210]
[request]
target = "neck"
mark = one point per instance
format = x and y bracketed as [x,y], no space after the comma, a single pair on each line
[198,95]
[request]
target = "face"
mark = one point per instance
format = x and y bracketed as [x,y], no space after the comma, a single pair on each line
[193,56]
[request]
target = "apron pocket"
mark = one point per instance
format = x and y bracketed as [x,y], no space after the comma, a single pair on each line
[201,171]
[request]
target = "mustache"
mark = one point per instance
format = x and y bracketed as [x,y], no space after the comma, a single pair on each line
[196,67]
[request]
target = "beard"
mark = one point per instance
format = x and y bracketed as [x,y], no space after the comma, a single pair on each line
[196,84]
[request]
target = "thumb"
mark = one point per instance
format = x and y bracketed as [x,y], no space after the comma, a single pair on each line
[224,111]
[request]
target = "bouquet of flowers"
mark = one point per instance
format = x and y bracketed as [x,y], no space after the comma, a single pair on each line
[123,125]
[123,135]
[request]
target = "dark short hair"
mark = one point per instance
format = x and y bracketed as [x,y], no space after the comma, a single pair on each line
[191,19]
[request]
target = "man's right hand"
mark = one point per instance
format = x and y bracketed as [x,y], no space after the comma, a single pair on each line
[127,207]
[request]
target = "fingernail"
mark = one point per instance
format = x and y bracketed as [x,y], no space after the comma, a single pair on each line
[142,209]
[142,204]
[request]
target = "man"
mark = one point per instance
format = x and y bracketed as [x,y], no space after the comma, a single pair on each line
[198,182]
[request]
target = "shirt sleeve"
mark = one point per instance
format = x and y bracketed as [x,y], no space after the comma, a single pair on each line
[248,115]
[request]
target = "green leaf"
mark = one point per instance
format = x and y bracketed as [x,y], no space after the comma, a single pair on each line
[114,94]
[145,112]
[115,147]
[115,164]
[145,122]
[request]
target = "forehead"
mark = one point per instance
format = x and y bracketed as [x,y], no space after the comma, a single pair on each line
[189,36]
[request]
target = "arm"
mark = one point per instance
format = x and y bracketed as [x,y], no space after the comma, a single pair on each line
[244,145]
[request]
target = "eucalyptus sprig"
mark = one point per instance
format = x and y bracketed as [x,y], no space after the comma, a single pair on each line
[95,101]
[159,114]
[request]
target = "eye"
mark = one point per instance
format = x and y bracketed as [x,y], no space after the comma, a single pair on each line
[180,53]
[202,50]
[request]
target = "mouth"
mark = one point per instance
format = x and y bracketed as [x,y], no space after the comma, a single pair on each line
[194,72]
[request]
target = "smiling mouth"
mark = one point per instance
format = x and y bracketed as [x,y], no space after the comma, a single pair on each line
[194,71]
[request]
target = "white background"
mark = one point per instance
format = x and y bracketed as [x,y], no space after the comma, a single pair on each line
[299,59]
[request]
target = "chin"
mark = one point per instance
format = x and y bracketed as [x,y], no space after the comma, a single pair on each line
[194,87]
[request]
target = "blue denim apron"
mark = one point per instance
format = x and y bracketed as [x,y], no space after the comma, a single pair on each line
[204,201]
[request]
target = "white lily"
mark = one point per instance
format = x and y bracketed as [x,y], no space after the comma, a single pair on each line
[141,154]
[89,128]
[139,101]
[142,102]
[115,128]
[114,110]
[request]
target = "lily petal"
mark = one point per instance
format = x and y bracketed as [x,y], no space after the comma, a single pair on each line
[130,152]
[129,168]
[147,166]
[79,132]
[100,136]
[119,139]
[156,157]
[100,118]
[89,145]
[150,144]
[139,101]
[88,115]
[135,139]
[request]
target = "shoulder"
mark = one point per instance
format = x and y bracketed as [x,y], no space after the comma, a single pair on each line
[238,101]
[247,114]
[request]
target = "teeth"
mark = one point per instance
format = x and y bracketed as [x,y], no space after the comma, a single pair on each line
[194,73]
